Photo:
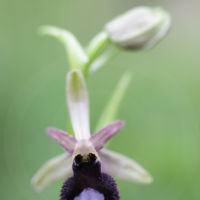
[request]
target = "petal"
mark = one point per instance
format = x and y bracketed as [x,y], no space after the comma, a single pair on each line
[77,99]
[53,170]
[100,138]
[66,140]
[76,55]
[123,167]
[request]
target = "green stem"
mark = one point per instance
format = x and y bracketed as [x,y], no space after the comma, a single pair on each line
[96,46]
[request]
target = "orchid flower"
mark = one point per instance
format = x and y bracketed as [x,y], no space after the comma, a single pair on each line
[112,163]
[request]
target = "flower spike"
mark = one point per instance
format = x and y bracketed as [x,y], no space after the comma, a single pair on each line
[89,164]
[77,100]
[100,138]
[66,140]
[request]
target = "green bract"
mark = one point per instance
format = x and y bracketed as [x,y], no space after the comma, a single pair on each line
[76,55]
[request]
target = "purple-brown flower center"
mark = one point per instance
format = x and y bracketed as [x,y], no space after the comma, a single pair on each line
[88,177]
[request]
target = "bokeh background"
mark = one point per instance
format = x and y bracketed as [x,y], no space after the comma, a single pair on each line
[161,108]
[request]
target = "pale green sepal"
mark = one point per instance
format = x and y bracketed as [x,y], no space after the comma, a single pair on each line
[76,55]
[111,109]
[123,167]
[55,169]
[78,104]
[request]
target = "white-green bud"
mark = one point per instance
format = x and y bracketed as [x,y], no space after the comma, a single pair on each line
[139,28]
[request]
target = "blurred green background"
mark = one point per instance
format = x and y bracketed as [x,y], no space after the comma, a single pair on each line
[161,108]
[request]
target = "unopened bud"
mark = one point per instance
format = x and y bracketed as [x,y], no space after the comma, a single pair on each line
[139,28]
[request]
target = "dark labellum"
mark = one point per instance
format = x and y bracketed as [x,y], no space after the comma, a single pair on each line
[88,182]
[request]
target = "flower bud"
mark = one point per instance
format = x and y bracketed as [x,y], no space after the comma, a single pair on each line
[139,28]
